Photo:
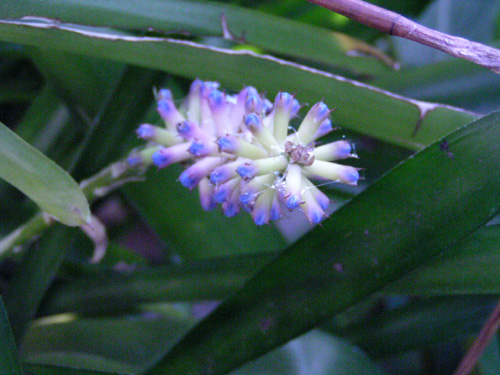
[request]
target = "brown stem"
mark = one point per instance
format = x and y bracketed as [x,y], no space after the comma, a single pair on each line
[469,361]
[395,24]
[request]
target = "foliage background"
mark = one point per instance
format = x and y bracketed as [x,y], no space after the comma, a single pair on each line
[418,268]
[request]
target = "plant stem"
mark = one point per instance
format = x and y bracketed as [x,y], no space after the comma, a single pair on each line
[97,186]
[469,361]
[395,24]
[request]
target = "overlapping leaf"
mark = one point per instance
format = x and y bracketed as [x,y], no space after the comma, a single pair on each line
[360,107]
[41,179]
[373,240]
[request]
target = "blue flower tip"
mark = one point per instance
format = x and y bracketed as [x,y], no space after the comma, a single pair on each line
[225,144]
[295,107]
[352,176]
[284,99]
[321,111]
[275,213]
[165,94]
[134,160]
[252,121]
[292,202]
[230,209]
[217,177]
[253,103]
[221,195]
[250,91]
[316,216]
[188,180]
[246,198]
[160,159]
[198,149]
[165,107]
[146,131]
[216,98]
[185,128]
[345,150]
[246,171]
[261,218]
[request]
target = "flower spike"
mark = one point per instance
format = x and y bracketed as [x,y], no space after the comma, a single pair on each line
[241,154]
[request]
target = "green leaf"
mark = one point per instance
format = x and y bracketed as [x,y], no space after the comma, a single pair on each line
[177,217]
[313,353]
[32,279]
[408,217]
[208,279]
[362,108]
[469,267]
[204,18]
[455,82]
[41,179]
[82,82]
[9,362]
[41,369]
[419,324]
[91,343]
[115,127]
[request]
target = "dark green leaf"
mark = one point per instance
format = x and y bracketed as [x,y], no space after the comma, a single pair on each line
[40,369]
[33,277]
[416,211]
[210,279]
[9,362]
[419,324]
[177,217]
[360,107]
[83,82]
[116,124]
[470,267]
[126,344]
[202,18]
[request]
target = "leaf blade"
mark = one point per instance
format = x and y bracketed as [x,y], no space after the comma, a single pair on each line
[362,108]
[41,179]
[371,241]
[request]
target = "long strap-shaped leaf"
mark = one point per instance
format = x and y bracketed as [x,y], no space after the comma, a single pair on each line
[9,361]
[415,212]
[41,179]
[366,109]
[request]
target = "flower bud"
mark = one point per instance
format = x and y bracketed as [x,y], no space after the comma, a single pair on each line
[170,155]
[202,168]
[333,151]
[334,172]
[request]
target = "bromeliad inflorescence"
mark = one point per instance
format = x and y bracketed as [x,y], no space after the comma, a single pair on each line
[243,154]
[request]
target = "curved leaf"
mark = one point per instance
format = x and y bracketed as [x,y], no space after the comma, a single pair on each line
[41,179]
[373,240]
[363,108]
[205,18]
[468,267]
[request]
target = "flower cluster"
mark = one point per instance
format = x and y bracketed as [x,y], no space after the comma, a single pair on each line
[243,156]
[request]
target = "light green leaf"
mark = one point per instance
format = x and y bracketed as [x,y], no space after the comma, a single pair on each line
[41,179]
